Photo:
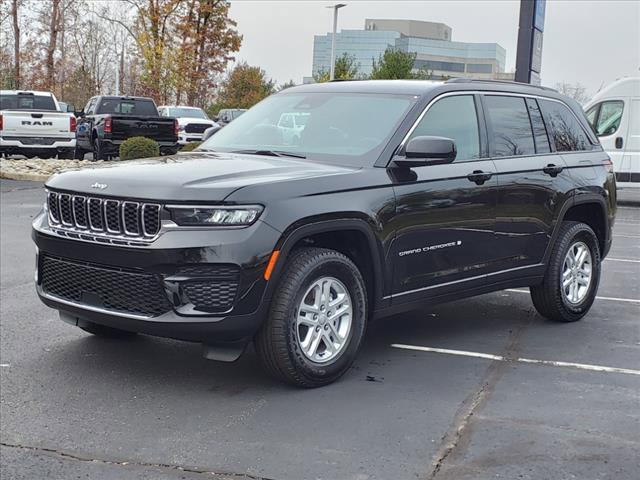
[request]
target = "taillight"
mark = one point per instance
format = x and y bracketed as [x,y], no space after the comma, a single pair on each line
[608,165]
[107,124]
[176,127]
[0,122]
[72,124]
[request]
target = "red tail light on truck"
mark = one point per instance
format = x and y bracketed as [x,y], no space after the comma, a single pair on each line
[72,124]
[107,125]
[176,127]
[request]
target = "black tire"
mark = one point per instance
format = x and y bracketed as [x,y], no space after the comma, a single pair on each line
[106,332]
[66,154]
[276,343]
[98,151]
[548,297]
[78,153]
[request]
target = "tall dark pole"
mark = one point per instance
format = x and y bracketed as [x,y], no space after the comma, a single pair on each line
[529,54]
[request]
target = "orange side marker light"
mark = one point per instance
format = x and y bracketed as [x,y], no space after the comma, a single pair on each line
[271,265]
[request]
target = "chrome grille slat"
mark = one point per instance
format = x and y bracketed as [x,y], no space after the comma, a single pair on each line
[106,219]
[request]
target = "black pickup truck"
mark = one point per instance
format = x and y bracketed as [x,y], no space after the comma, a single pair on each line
[106,122]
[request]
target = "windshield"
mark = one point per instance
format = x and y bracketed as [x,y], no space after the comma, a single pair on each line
[127,107]
[27,102]
[187,112]
[347,128]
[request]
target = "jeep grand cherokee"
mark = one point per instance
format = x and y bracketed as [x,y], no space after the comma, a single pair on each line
[396,195]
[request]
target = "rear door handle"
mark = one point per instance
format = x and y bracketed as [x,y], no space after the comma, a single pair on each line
[552,170]
[479,177]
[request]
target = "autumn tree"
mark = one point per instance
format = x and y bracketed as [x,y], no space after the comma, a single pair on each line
[244,87]
[208,37]
[346,68]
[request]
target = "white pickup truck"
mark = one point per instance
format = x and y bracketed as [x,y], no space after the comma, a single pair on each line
[32,124]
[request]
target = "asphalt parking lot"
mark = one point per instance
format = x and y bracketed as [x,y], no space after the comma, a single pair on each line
[478,389]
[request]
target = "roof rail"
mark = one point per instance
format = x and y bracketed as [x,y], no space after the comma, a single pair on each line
[506,82]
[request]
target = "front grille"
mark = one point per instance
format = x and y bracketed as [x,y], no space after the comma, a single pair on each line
[119,290]
[121,218]
[196,127]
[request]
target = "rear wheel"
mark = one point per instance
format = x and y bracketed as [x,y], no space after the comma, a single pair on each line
[98,150]
[571,282]
[105,332]
[316,321]
[78,153]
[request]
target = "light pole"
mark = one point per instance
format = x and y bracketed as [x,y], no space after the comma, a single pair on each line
[332,70]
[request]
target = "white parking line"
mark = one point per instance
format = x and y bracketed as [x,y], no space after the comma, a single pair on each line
[621,260]
[612,299]
[500,358]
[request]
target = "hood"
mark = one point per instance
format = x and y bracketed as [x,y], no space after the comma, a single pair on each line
[194,177]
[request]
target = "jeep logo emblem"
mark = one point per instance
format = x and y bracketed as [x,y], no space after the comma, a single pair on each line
[101,186]
[36,122]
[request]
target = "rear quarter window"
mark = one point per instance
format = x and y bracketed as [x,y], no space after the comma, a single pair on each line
[564,129]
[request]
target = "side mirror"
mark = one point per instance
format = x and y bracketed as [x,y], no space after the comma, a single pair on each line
[209,132]
[425,150]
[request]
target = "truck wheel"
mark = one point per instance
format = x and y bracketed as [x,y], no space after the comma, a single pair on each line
[105,332]
[65,154]
[78,153]
[98,152]
[573,273]
[316,320]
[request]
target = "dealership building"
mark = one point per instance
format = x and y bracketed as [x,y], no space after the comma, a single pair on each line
[432,43]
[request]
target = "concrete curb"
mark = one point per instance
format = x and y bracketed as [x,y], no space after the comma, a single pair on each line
[28,177]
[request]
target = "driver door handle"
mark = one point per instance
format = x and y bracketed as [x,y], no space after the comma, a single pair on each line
[479,177]
[552,170]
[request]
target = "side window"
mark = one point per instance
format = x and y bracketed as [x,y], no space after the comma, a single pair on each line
[539,131]
[88,110]
[609,118]
[591,115]
[456,118]
[567,134]
[512,134]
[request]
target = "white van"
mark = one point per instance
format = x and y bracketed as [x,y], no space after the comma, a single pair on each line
[614,114]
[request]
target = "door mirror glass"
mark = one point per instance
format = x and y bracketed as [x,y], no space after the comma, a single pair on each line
[427,150]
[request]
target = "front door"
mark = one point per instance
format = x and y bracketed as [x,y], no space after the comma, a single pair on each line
[445,214]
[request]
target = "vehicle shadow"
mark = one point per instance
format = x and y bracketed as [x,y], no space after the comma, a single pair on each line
[483,322]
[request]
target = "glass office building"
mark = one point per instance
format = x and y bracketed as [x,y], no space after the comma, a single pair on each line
[435,51]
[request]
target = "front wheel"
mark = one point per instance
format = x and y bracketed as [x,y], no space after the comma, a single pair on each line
[316,321]
[571,282]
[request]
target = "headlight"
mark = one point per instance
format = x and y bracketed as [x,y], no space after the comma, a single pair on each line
[213,216]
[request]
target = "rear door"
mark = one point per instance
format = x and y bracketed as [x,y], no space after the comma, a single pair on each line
[531,177]
[445,214]
[631,160]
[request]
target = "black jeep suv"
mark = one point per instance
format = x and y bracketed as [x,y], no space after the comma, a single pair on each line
[392,195]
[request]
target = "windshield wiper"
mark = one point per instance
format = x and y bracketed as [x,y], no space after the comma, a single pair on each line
[272,153]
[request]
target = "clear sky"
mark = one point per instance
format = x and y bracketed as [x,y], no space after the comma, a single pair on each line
[592,42]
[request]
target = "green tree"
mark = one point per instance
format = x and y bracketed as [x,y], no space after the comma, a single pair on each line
[244,87]
[394,64]
[346,69]
[286,85]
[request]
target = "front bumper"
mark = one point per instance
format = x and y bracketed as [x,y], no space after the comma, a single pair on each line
[169,261]
[185,138]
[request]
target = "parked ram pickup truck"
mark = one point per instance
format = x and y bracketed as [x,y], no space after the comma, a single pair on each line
[398,195]
[106,122]
[32,124]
